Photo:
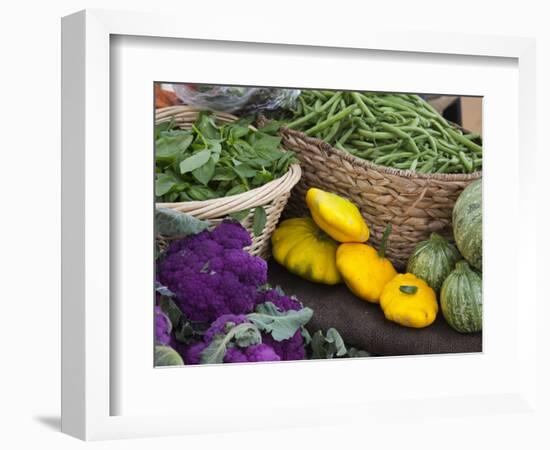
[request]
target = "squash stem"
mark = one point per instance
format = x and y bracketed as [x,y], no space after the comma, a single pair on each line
[384,241]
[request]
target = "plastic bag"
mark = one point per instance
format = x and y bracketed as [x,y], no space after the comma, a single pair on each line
[236,99]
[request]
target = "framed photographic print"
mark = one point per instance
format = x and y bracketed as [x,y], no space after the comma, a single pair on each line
[290,217]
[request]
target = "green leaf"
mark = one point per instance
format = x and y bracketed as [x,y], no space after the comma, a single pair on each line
[163,127]
[280,324]
[215,352]
[194,161]
[240,215]
[266,143]
[262,178]
[224,174]
[247,336]
[172,223]
[169,307]
[238,131]
[271,128]
[184,333]
[201,193]
[238,189]
[164,183]
[329,346]
[167,356]
[206,125]
[245,171]
[260,219]
[168,148]
[205,172]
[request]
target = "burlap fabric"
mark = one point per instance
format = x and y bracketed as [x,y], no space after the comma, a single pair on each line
[363,324]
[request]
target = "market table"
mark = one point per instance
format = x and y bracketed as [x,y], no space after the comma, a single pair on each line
[363,325]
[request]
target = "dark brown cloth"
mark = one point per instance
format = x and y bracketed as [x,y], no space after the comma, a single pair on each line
[363,325]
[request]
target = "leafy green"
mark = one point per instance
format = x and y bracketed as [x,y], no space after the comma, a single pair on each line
[194,161]
[260,218]
[280,324]
[332,346]
[167,356]
[169,307]
[172,223]
[164,183]
[213,161]
[329,346]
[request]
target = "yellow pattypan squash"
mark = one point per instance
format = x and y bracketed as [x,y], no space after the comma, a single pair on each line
[409,301]
[305,250]
[336,216]
[365,270]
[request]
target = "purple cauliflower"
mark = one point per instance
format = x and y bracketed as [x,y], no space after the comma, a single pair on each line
[288,349]
[210,273]
[253,353]
[234,354]
[163,327]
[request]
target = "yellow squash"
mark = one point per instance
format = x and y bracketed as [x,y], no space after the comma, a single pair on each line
[365,270]
[336,216]
[305,250]
[409,301]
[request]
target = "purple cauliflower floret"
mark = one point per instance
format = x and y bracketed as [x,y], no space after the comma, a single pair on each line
[252,353]
[288,349]
[211,275]
[192,354]
[163,327]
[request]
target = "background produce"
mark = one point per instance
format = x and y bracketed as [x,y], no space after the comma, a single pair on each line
[461,299]
[238,99]
[433,260]
[396,130]
[468,224]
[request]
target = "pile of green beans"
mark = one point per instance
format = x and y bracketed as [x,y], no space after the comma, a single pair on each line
[395,130]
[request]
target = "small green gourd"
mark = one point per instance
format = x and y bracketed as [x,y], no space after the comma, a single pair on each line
[433,260]
[461,299]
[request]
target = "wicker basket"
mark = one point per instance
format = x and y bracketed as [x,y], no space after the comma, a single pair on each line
[273,196]
[415,204]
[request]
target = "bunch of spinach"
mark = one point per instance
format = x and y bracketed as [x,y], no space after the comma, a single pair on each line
[212,161]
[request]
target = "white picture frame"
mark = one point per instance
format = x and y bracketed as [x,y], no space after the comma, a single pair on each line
[89,322]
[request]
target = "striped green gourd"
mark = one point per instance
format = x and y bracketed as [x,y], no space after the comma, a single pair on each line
[467,224]
[433,260]
[461,299]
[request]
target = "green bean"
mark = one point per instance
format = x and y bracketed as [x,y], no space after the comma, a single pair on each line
[391,157]
[346,135]
[361,144]
[313,114]
[468,165]
[401,134]
[426,167]
[375,134]
[465,141]
[388,147]
[328,122]
[362,105]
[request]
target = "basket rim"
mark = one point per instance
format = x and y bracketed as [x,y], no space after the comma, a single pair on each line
[366,164]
